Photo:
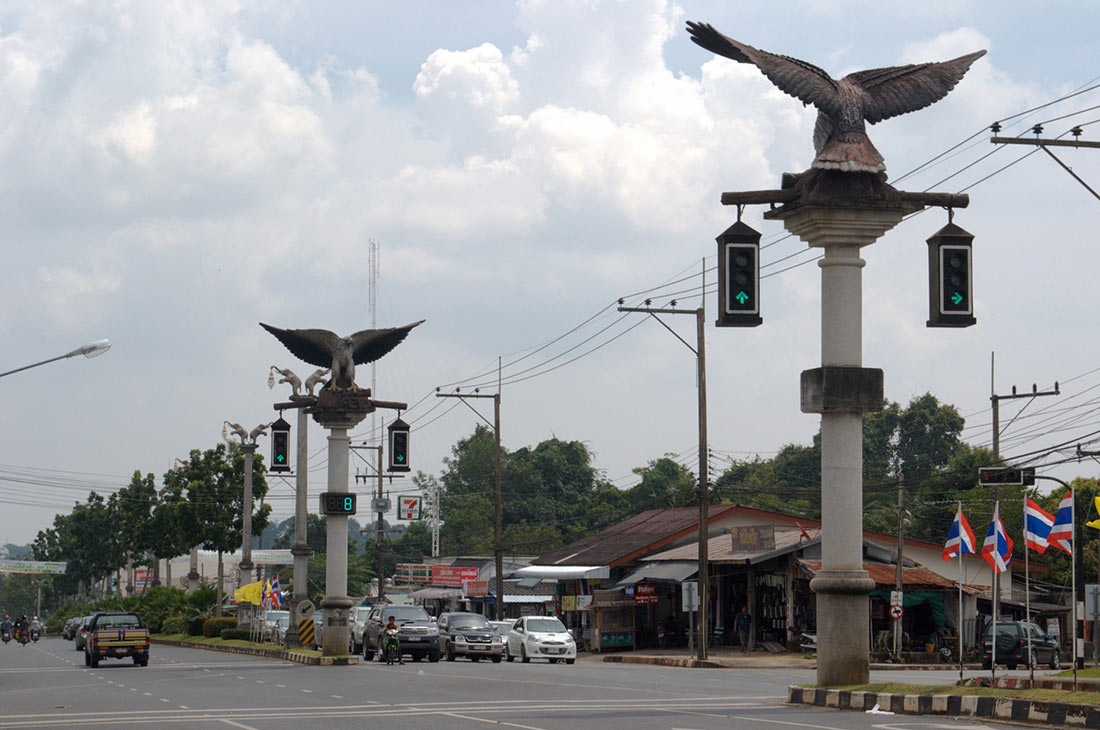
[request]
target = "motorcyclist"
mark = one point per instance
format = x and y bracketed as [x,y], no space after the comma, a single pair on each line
[389,633]
[5,626]
[36,628]
[20,627]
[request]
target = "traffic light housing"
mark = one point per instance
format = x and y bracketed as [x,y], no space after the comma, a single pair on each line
[1006,475]
[280,446]
[739,277]
[950,278]
[398,446]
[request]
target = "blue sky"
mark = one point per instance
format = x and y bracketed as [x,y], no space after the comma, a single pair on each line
[172,174]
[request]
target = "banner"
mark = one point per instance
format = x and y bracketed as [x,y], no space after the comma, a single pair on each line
[448,575]
[31,566]
[476,588]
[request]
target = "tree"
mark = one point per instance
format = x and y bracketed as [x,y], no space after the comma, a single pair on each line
[664,484]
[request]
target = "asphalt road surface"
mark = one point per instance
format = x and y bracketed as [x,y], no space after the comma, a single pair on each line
[46,685]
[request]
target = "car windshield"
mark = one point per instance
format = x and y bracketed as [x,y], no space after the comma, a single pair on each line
[545,625]
[276,615]
[405,613]
[470,621]
[126,620]
[1002,630]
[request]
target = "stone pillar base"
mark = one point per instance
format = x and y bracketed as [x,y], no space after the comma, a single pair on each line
[335,635]
[843,626]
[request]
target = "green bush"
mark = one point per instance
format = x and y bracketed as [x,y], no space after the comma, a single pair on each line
[194,626]
[213,626]
[174,625]
[235,633]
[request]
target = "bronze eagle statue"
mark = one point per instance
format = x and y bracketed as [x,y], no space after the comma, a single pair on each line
[327,349]
[840,135]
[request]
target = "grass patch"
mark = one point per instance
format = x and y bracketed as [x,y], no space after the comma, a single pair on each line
[1043,695]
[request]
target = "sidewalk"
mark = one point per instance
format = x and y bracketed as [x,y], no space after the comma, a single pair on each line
[722,657]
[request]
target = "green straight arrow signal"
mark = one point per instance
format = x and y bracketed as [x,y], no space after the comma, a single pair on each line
[741,297]
[956,298]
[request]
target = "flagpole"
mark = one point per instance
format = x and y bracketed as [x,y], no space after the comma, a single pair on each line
[996,546]
[961,576]
[1027,597]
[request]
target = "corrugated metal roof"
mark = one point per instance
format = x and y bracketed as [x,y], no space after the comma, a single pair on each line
[884,574]
[674,571]
[720,549]
[631,538]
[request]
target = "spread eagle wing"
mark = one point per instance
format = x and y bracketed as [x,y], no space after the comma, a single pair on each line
[312,346]
[902,89]
[369,345]
[804,81]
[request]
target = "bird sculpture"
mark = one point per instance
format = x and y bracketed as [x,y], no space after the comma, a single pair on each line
[327,349]
[843,107]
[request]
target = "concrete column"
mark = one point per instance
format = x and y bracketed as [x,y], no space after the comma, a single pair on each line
[300,550]
[841,391]
[245,566]
[193,572]
[334,638]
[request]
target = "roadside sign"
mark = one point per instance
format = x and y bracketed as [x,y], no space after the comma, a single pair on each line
[896,612]
[305,609]
[1092,599]
[689,596]
[895,598]
[408,508]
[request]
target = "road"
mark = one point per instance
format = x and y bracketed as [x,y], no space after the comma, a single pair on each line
[46,685]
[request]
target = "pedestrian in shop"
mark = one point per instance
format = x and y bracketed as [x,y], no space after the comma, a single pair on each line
[743,623]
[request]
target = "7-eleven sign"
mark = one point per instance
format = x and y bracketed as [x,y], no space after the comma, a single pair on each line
[408,508]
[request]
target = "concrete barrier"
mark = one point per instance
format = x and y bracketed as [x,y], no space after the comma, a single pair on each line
[284,654]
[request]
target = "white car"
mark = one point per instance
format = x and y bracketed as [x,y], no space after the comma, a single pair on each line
[540,637]
[357,621]
[269,619]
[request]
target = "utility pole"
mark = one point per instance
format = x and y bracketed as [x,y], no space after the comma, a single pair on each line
[1046,144]
[498,536]
[704,498]
[995,400]
[1096,609]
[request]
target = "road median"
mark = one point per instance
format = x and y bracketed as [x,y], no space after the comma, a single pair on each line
[298,657]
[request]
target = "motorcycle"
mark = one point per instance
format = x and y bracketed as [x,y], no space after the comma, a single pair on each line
[34,635]
[22,637]
[6,635]
[391,646]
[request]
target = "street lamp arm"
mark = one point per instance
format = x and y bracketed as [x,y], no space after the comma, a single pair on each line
[90,350]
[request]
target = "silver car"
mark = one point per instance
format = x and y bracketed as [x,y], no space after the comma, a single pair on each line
[357,621]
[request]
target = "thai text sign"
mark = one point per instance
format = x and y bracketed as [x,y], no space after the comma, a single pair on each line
[412,573]
[753,538]
[645,593]
[449,575]
[31,566]
[476,588]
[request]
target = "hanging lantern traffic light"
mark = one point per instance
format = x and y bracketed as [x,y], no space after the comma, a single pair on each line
[950,278]
[398,446]
[280,446]
[739,277]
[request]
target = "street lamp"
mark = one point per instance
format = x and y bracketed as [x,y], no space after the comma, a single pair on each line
[92,349]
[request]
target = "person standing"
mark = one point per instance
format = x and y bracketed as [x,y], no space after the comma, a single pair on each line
[742,622]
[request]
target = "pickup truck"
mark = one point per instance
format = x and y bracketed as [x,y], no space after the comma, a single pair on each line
[116,635]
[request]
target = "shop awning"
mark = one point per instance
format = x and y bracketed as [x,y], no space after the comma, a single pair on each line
[672,571]
[564,572]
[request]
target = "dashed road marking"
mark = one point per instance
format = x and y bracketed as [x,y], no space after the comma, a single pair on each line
[337,697]
[307,691]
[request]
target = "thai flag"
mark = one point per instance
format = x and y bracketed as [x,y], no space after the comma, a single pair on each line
[276,595]
[264,596]
[997,549]
[961,538]
[1037,525]
[1061,534]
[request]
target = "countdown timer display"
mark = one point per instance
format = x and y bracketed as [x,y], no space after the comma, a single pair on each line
[337,503]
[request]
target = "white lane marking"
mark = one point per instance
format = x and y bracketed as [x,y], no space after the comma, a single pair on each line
[162,699]
[337,697]
[784,722]
[281,685]
[491,722]
[689,712]
[258,681]
[184,707]
[147,694]
[307,691]
[237,724]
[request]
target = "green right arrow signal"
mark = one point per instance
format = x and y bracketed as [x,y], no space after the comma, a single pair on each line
[956,298]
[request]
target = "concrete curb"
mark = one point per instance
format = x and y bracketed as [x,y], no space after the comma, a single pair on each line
[1000,708]
[1084,684]
[669,661]
[324,661]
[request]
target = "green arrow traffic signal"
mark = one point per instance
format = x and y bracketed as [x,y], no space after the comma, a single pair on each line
[956,298]
[741,297]
[400,457]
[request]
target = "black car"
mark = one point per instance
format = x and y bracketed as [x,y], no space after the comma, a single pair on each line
[470,635]
[1012,639]
[416,632]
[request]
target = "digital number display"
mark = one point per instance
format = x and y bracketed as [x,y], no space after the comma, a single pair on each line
[337,503]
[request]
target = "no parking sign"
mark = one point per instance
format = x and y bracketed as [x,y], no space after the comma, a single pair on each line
[896,612]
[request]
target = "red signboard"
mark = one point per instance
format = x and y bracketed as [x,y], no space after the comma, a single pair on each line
[449,575]
[476,588]
[645,593]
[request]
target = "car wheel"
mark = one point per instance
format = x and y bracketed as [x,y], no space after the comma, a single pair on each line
[523,654]
[450,653]
[553,661]
[508,654]
[1011,666]
[475,658]
[987,664]
[417,656]
[87,660]
[570,661]
[496,658]
[433,656]
[1055,660]
[94,661]
[368,655]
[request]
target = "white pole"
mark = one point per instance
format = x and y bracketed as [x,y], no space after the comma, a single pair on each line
[961,569]
[1027,598]
[993,660]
